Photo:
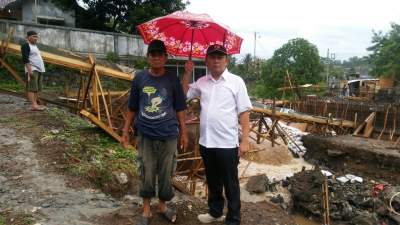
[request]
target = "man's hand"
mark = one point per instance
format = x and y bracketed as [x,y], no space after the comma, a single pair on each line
[29,74]
[125,139]
[243,147]
[29,71]
[189,67]
[186,76]
[183,140]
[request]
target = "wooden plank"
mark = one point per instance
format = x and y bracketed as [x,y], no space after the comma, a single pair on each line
[385,121]
[73,63]
[365,129]
[95,96]
[306,118]
[73,94]
[13,72]
[180,186]
[102,125]
[104,101]
[394,124]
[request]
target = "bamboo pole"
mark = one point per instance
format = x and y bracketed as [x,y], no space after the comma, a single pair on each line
[73,63]
[325,199]
[394,124]
[13,72]
[307,118]
[385,122]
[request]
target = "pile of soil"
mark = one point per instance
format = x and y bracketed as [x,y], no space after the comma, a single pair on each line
[266,154]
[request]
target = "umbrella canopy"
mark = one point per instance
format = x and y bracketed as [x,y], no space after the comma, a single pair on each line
[4,3]
[189,34]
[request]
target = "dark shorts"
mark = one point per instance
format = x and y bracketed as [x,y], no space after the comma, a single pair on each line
[35,82]
[157,160]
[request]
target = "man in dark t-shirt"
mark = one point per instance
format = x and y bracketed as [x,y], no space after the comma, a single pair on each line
[156,106]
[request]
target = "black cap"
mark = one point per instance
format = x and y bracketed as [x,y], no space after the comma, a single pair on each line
[30,33]
[216,48]
[157,46]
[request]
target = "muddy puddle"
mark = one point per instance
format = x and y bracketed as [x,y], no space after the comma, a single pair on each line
[301,220]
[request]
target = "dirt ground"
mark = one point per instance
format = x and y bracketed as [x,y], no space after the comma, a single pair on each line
[35,186]
[372,159]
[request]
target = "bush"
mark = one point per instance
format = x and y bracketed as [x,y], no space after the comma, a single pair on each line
[112,57]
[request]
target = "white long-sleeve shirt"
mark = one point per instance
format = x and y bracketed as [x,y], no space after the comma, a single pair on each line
[221,103]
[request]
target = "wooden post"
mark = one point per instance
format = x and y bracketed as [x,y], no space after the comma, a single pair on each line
[259,129]
[273,125]
[79,93]
[109,101]
[355,120]
[385,122]
[325,200]
[95,95]
[394,124]
[85,96]
[13,72]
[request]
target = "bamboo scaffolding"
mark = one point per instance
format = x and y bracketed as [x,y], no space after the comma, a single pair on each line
[72,63]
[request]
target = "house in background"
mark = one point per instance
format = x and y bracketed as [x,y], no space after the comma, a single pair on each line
[38,11]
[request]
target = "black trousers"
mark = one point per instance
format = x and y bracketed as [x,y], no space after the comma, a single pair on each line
[222,173]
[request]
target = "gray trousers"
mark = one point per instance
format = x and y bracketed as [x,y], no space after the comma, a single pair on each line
[157,160]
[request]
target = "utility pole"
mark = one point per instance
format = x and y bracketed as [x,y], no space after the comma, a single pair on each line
[254,56]
[329,57]
[327,68]
[255,44]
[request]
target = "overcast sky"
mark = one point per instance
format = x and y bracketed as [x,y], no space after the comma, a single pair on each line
[343,26]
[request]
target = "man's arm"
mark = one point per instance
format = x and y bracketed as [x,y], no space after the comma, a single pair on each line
[25,50]
[186,76]
[245,123]
[130,117]
[183,137]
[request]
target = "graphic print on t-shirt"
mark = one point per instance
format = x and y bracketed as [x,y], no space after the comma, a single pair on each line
[153,108]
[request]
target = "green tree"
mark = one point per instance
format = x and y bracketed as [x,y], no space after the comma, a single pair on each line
[244,68]
[356,65]
[119,15]
[385,56]
[300,58]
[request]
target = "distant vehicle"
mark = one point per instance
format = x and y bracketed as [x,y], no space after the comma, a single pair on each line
[361,88]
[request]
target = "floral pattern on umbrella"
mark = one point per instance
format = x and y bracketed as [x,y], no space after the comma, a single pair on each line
[188,34]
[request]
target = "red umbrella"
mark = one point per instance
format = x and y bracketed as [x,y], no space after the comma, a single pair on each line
[189,34]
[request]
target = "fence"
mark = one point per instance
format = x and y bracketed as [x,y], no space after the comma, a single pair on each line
[387,114]
[80,41]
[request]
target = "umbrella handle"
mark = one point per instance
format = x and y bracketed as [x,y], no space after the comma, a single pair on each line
[191,46]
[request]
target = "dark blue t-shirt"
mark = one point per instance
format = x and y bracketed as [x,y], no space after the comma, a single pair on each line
[156,101]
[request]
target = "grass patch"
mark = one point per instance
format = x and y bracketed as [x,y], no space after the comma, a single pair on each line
[16,219]
[84,149]
[91,153]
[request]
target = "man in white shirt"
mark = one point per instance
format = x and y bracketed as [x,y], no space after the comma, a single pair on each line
[34,68]
[224,101]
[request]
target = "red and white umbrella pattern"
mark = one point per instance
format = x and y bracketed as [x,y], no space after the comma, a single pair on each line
[189,34]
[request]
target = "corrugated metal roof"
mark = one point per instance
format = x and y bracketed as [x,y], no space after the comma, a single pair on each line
[4,3]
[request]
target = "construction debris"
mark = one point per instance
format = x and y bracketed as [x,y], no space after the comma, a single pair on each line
[349,203]
[355,155]
[260,184]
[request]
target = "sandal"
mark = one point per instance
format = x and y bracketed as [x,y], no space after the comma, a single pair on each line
[39,108]
[170,215]
[143,220]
